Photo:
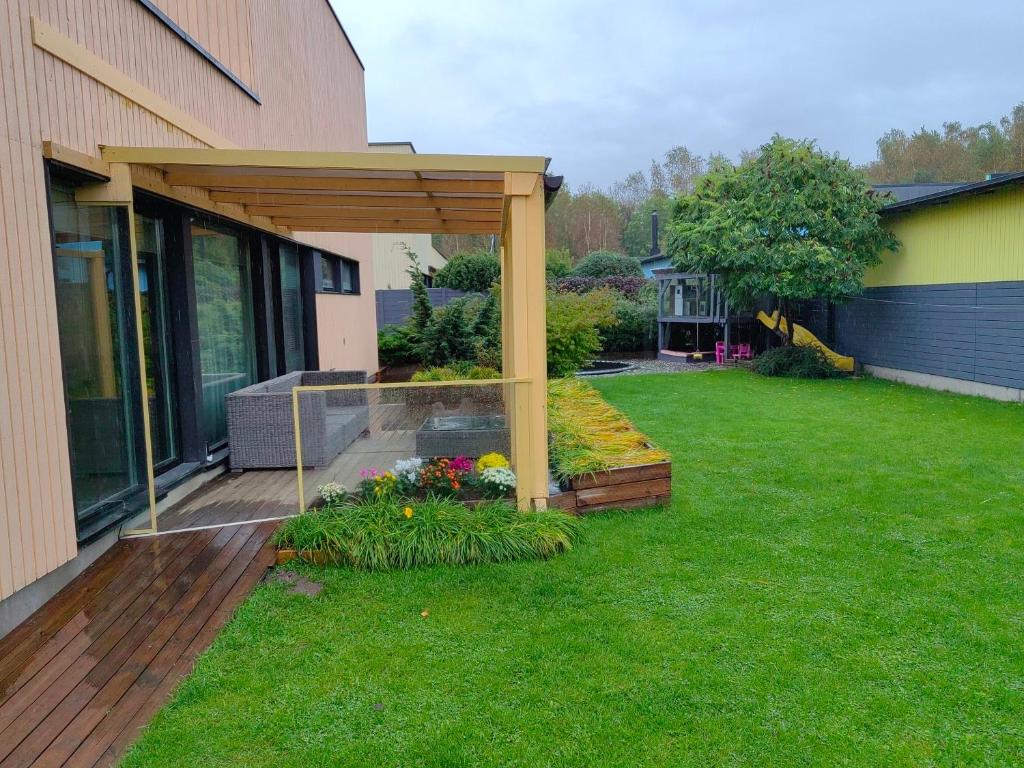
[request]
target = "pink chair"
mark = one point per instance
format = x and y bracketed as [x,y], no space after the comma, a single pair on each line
[744,352]
[720,352]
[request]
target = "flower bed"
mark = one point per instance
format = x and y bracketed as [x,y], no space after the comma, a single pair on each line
[598,457]
[389,532]
[460,477]
[424,511]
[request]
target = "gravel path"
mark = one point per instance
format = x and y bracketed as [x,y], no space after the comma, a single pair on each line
[661,366]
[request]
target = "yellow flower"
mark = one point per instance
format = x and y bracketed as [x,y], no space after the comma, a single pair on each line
[407,512]
[489,460]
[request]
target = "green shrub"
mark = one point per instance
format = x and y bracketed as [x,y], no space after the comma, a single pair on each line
[384,534]
[796,362]
[557,263]
[573,321]
[463,371]
[635,330]
[448,337]
[487,332]
[397,345]
[470,272]
[422,309]
[607,264]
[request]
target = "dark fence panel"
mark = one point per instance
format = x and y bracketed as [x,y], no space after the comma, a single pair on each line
[972,331]
[394,306]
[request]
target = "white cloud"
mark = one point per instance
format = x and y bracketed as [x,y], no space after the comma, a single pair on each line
[603,87]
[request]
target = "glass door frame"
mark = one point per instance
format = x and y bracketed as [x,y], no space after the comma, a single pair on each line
[144,208]
[181,286]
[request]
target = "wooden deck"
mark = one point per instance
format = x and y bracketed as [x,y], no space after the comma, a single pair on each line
[90,668]
[267,493]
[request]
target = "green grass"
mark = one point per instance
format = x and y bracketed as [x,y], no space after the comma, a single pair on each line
[839,581]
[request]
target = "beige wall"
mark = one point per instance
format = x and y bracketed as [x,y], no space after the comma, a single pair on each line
[347,332]
[311,86]
[389,250]
[390,261]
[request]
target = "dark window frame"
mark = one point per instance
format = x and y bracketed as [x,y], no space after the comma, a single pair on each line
[335,263]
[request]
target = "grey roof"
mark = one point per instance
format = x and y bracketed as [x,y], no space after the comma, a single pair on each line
[937,197]
[904,192]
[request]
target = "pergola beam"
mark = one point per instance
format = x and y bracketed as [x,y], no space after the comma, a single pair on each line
[364,201]
[227,181]
[348,161]
[420,227]
[377,214]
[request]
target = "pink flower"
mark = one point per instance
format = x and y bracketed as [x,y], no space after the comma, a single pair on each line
[462,464]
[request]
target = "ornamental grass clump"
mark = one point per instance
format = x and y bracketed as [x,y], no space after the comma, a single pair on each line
[384,534]
[589,436]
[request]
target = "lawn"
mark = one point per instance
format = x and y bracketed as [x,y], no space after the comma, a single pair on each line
[839,581]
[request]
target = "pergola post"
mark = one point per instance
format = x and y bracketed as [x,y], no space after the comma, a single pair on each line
[524,334]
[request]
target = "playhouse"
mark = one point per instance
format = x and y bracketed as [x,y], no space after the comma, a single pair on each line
[696,322]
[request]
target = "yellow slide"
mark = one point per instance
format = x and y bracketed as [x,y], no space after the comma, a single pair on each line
[805,338]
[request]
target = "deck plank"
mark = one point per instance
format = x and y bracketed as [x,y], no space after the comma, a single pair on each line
[92,666]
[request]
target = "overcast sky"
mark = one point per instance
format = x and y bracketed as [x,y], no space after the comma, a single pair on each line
[602,87]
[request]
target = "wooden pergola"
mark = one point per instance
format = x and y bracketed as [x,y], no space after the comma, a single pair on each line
[288,192]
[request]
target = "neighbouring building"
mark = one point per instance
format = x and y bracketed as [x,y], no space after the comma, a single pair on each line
[228,296]
[947,310]
[390,259]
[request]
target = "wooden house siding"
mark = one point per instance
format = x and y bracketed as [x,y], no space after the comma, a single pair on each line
[950,302]
[310,82]
[972,240]
[969,331]
[229,40]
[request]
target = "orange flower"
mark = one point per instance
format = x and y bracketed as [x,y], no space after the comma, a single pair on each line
[455,485]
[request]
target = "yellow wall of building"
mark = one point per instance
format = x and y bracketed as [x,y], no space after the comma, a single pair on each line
[976,239]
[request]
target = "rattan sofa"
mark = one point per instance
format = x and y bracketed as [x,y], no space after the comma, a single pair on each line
[261,434]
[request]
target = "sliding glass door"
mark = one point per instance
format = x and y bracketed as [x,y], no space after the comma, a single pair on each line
[223,290]
[93,302]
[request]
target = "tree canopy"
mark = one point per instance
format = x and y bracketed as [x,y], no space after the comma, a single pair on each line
[956,153]
[607,264]
[470,272]
[791,222]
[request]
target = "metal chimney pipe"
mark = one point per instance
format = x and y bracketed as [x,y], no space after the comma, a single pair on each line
[655,250]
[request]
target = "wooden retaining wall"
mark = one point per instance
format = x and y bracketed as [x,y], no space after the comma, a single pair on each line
[646,485]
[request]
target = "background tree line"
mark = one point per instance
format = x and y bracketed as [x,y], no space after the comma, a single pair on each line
[954,153]
[585,219]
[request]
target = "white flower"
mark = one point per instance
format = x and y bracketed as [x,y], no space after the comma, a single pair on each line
[501,478]
[332,493]
[408,469]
